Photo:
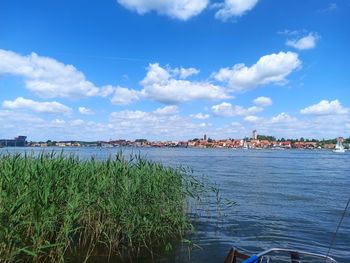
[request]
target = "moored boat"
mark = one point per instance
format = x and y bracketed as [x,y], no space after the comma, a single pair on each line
[278,255]
[339,148]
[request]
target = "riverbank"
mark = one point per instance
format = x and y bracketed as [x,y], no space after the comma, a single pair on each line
[52,206]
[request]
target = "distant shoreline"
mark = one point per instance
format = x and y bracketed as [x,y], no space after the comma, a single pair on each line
[164,147]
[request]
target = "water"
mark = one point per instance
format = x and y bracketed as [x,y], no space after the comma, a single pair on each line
[291,199]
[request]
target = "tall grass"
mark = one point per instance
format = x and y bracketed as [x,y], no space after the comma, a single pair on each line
[52,206]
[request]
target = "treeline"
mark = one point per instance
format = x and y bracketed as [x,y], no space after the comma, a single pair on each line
[302,139]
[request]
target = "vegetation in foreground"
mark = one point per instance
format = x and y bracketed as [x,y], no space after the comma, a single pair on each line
[52,206]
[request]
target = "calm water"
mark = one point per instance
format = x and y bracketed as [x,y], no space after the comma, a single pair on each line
[291,198]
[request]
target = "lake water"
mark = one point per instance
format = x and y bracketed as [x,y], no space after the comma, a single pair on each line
[291,199]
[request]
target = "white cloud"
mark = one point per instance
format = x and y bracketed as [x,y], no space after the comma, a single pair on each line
[331,7]
[184,73]
[123,96]
[58,123]
[160,85]
[153,125]
[263,101]
[226,109]
[85,111]
[273,68]
[231,8]
[49,78]
[167,110]
[251,118]
[289,32]
[306,42]
[42,107]
[325,107]
[77,122]
[200,116]
[179,9]
[282,117]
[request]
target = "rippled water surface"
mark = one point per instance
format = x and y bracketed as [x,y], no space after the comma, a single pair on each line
[291,198]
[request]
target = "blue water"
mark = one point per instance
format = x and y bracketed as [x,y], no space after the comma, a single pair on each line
[291,198]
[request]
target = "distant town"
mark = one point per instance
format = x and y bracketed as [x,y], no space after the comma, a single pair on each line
[254,142]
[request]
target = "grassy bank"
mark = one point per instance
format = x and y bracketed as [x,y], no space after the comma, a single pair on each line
[52,206]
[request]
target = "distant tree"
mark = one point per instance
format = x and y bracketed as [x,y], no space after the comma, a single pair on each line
[302,139]
[195,140]
[141,140]
[51,143]
[265,137]
[210,140]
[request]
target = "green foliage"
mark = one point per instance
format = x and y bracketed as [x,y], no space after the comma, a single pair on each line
[52,206]
[330,141]
[141,140]
[264,137]
[51,143]
[347,140]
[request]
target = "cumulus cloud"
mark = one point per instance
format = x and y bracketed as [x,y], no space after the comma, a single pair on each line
[161,85]
[123,96]
[325,107]
[200,116]
[306,42]
[42,107]
[226,109]
[85,111]
[263,101]
[184,73]
[167,110]
[282,117]
[234,8]
[178,9]
[149,125]
[49,78]
[273,68]
[169,86]
[153,124]
[251,118]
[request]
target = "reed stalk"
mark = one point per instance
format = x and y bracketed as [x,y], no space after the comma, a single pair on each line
[53,206]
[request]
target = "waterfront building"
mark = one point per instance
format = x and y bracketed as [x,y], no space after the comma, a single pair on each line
[255,135]
[19,141]
[286,144]
[340,139]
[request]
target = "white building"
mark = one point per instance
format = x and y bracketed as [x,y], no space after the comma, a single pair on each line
[255,135]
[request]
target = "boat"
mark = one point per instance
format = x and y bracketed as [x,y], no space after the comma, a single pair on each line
[245,145]
[277,255]
[278,148]
[339,148]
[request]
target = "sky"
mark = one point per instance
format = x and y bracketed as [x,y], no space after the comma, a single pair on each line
[174,70]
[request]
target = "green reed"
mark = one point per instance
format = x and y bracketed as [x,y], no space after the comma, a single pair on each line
[55,206]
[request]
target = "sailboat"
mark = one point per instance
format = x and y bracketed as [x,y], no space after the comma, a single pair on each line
[245,145]
[339,148]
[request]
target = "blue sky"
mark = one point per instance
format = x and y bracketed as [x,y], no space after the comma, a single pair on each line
[174,70]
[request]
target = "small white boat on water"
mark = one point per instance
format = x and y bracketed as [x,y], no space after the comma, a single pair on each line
[245,145]
[339,148]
